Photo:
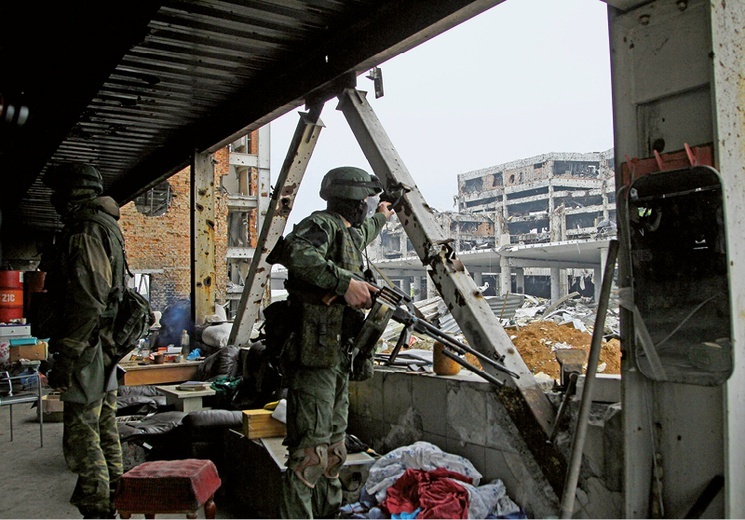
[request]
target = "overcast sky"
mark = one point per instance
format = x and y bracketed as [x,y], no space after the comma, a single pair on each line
[525,78]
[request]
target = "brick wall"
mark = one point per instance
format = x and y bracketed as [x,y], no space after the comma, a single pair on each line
[162,243]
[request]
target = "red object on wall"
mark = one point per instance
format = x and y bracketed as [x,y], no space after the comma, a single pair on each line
[11,296]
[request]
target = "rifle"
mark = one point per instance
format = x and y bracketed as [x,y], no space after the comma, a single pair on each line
[388,303]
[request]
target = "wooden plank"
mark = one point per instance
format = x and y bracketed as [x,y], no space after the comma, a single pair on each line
[134,375]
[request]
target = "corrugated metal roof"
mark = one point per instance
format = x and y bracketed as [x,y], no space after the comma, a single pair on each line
[137,87]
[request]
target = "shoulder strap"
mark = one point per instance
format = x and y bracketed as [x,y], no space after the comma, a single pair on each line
[108,223]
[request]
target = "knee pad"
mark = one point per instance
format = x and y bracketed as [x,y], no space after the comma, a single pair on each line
[337,455]
[311,466]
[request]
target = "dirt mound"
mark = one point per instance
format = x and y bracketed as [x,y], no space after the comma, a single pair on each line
[538,341]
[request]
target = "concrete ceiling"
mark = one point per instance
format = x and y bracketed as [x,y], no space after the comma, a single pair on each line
[136,87]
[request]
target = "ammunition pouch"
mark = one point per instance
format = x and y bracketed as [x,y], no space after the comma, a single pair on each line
[318,342]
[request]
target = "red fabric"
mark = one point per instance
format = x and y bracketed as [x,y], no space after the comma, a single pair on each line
[433,491]
[164,486]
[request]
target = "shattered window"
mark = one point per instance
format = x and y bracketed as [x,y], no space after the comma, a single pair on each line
[473,184]
[155,201]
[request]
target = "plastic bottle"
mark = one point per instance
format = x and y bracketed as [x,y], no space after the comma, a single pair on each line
[184,344]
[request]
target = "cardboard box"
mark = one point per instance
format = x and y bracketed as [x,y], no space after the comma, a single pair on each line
[51,403]
[52,407]
[38,352]
[260,423]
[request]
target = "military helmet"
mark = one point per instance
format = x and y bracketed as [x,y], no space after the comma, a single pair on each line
[348,182]
[70,176]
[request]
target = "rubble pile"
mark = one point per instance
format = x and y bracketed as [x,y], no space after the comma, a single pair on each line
[538,330]
[538,341]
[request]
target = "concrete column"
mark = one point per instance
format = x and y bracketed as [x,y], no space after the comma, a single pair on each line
[598,274]
[478,278]
[431,289]
[406,285]
[203,237]
[555,284]
[505,276]
[520,275]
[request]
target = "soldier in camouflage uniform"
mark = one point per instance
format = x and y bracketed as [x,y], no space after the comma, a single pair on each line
[83,280]
[321,254]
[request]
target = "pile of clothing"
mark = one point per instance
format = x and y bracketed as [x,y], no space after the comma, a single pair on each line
[422,481]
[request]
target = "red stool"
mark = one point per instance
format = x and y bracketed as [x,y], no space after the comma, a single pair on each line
[168,486]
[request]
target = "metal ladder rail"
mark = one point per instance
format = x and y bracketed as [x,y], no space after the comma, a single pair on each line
[528,406]
[288,182]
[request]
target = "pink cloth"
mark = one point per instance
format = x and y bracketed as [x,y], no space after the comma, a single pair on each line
[432,491]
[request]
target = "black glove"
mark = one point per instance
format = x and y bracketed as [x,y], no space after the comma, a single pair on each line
[60,375]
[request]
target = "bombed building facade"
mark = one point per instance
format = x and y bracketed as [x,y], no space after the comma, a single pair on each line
[549,198]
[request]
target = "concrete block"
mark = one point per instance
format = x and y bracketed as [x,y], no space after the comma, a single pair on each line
[430,402]
[593,449]
[397,398]
[475,453]
[605,389]
[466,407]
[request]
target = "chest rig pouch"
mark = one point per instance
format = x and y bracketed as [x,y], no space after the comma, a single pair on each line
[318,344]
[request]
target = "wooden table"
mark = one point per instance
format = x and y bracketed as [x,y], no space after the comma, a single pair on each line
[133,374]
[185,400]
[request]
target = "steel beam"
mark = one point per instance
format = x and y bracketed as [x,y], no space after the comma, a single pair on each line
[529,407]
[274,222]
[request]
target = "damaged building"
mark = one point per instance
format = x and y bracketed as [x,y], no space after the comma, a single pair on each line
[549,198]
[152,89]
[546,198]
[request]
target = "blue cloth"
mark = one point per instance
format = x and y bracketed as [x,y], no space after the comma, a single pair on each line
[408,515]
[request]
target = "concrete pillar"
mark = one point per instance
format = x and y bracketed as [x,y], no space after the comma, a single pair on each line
[406,285]
[598,275]
[478,278]
[520,275]
[431,289]
[505,276]
[203,260]
[555,284]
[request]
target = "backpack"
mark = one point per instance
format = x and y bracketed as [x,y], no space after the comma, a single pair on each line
[132,322]
[133,315]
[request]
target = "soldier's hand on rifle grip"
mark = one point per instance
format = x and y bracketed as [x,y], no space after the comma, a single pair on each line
[359,294]
[385,208]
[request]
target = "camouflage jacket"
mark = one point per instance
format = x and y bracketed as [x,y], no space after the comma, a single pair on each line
[83,282]
[321,253]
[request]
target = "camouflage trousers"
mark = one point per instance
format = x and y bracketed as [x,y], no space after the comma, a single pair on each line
[317,407]
[92,450]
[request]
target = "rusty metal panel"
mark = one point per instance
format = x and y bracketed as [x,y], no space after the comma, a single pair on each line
[288,182]
[728,19]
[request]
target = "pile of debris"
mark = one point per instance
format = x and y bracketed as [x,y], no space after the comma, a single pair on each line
[537,329]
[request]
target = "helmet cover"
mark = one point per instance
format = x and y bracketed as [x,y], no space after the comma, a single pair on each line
[71,176]
[349,182]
